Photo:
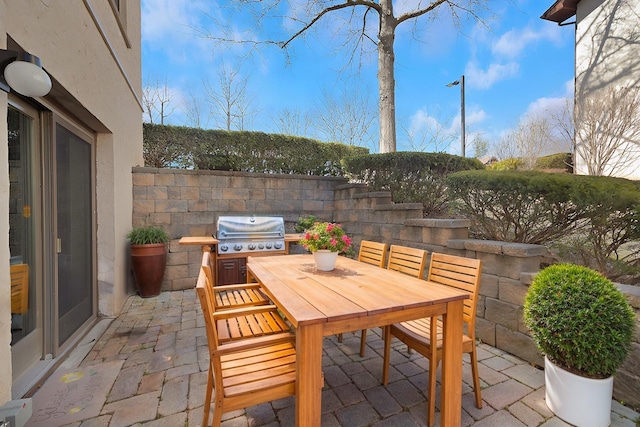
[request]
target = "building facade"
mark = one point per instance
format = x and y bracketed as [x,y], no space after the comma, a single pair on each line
[65,181]
[607,58]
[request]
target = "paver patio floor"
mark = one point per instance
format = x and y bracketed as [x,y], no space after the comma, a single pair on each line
[163,346]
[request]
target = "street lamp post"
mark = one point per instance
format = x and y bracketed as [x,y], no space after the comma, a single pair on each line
[462,124]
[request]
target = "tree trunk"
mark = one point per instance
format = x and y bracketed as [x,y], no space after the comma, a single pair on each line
[386,78]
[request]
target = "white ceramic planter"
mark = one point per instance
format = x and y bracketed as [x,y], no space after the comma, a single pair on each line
[580,401]
[325,259]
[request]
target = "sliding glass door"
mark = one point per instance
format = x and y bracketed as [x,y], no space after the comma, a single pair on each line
[74,231]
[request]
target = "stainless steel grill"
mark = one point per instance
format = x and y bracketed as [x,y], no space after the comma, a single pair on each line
[242,234]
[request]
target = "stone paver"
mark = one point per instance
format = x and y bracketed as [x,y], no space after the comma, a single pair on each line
[163,380]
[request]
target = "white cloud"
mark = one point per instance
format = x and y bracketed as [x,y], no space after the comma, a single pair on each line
[174,25]
[544,106]
[512,43]
[484,79]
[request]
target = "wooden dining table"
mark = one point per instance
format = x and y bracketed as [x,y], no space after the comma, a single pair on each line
[352,297]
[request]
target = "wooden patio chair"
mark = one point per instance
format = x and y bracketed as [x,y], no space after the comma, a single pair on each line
[232,296]
[374,253]
[426,335]
[19,288]
[247,371]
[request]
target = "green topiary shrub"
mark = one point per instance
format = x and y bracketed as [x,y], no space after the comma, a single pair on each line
[147,235]
[579,320]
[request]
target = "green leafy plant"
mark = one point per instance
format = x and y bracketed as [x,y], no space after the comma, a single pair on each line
[147,235]
[326,235]
[579,320]
[305,222]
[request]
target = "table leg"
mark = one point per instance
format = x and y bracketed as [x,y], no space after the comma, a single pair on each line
[451,399]
[309,375]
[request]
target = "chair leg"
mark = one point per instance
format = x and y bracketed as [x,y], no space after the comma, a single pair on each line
[431,405]
[386,334]
[339,337]
[363,342]
[476,377]
[207,399]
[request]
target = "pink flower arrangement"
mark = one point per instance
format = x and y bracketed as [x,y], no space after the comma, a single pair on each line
[326,235]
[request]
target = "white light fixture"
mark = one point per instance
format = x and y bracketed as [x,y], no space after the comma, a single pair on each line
[23,73]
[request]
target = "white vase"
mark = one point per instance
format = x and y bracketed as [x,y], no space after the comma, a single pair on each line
[325,259]
[580,401]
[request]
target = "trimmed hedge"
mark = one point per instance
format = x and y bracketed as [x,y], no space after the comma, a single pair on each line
[182,147]
[539,208]
[411,177]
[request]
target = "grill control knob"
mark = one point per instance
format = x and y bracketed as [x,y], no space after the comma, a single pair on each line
[224,248]
[237,247]
[277,245]
[268,245]
[260,246]
[251,246]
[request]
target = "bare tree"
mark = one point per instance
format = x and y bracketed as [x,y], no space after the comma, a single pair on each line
[232,105]
[480,145]
[291,121]
[157,101]
[532,138]
[193,104]
[528,141]
[363,18]
[608,131]
[427,133]
[346,118]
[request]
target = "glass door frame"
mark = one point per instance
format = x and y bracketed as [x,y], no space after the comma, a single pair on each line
[51,224]
[30,349]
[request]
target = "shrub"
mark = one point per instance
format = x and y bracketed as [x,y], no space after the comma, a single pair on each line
[579,320]
[540,208]
[560,161]
[173,146]
[511,164]
[411,177]
[524,207]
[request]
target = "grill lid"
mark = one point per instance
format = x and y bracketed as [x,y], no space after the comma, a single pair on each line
[250,233]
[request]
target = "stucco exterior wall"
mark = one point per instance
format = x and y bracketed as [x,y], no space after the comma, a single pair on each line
[607,56]
[82,47]
[97,83]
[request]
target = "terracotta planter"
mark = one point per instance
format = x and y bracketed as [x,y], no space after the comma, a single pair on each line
[148,263]
[580,401]
[325,260]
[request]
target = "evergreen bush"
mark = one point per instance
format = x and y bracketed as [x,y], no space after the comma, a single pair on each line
[411,177]
[182,147]
[579,320]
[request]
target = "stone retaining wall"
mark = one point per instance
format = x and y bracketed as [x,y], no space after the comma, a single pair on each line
[186,203]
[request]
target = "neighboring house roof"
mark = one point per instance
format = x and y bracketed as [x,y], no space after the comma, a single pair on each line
[561,10]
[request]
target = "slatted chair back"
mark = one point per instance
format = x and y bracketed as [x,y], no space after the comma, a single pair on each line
[460,273]
[232,296]
[407,260]
[19,288]
[374,253]
[245,372]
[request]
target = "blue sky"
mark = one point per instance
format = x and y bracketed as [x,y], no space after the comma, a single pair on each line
[518,64]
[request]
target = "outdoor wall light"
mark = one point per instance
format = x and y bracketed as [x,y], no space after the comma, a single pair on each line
[23,73]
